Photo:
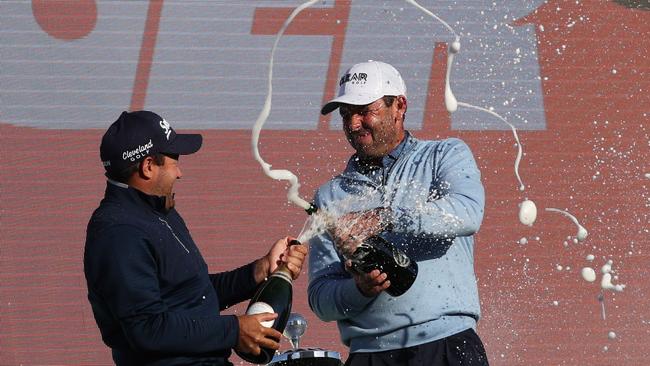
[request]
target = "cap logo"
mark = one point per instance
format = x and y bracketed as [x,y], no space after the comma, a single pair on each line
[356,78]
[166,127]
[137,153]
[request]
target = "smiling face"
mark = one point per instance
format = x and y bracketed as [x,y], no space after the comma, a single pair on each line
[375,129]
[163,178]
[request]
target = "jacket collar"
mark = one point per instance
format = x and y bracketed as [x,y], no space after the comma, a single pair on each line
[124,191]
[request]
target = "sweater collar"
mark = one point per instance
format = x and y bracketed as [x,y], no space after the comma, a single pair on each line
[356,164]
[157,203]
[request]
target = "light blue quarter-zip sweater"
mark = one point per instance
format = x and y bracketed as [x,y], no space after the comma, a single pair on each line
[435,193]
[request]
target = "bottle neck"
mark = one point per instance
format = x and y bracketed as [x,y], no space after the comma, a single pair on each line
[282,272]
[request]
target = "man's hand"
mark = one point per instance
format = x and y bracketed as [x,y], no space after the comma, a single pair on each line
[350,230]
[253,335]
[369,284]
[282,252]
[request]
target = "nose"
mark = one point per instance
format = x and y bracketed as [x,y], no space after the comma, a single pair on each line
[179,174]
[355,122]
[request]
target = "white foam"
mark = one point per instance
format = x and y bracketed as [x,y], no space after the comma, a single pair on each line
[450,100]
[606,281]
[606,284]
[520,152]
[292,194]
[588,274]
[582,232]
[426,11]
[527,212]
[607,267]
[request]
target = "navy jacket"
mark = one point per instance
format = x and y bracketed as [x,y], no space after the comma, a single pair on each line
[149,287]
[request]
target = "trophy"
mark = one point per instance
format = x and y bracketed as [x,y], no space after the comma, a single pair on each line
[296,326]
[295,329]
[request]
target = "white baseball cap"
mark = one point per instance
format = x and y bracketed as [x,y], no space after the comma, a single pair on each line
[366,82]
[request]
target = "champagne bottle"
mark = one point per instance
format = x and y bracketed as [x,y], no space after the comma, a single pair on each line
[377,253]
[273,296]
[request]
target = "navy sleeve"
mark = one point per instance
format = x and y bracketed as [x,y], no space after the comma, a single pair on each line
[122,269]
[234,286]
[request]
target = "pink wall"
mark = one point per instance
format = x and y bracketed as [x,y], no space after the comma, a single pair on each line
[590,159]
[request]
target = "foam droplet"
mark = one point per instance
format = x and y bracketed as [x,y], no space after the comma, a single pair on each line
[527,212]
[588,274]
[611,335]
[582,234]
[454,47]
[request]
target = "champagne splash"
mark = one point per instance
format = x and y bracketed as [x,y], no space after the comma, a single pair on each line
[429,13]
[514,133]
[451,103]
[450,100]
[278,174]
[582,232]
[315,224]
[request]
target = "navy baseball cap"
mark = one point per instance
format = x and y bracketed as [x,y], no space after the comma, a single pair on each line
[136,135]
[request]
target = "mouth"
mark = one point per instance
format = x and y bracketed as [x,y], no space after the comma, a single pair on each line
[361,137]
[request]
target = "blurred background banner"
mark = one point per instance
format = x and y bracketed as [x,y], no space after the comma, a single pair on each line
[571,76]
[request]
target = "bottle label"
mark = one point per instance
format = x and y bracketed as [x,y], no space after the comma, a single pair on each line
[261,307]
[400,258]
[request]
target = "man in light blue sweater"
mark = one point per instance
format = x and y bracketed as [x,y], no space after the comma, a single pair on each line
[426,198]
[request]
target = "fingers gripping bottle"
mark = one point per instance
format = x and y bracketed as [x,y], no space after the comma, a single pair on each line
[273,296]
[377,253]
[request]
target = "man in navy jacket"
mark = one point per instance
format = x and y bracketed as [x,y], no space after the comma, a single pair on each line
[152,296]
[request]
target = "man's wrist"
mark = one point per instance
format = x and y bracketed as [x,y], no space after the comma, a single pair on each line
[261,271]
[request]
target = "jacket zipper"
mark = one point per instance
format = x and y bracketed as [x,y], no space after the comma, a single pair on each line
[173,233]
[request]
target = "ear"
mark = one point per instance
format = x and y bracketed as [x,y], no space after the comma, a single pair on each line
[402,105]
[147,168]
[400,108]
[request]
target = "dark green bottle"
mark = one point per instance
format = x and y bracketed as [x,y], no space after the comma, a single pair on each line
[377,253]
[273,296]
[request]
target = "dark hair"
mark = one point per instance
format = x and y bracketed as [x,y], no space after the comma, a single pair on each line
[124,175]
[388,100]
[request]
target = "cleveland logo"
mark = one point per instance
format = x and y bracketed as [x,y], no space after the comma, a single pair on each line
[355,78]
[138,152]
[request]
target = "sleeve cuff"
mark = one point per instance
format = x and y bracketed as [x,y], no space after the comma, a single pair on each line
[233,324]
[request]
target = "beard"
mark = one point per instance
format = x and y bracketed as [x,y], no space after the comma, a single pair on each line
[375,143]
